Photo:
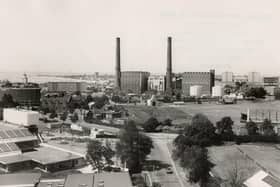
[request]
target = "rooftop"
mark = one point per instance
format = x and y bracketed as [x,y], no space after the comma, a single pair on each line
[47,155]
[18,179]
[262,179]
[113,179]
[51,183]
[79,180]
[13,159]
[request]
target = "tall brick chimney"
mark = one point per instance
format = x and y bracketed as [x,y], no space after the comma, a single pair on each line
[169,67]
[118,64]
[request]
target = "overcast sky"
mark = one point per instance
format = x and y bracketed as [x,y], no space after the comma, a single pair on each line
[79,35]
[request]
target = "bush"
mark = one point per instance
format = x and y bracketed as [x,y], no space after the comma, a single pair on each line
[257,139]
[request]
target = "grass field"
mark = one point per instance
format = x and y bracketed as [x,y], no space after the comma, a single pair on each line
[140,114]
[215,111]
[226,158]
[267,156]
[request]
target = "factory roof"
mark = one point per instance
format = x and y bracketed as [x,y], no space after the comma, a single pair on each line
[20,179]
[47,155]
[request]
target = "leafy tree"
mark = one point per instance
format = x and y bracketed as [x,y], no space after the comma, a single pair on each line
[224,128]
[8,101]
[89,116]
[252,128]
[74,118]
[196,160]
[167,122]
[257,92]
[151,124]
[267,128]
[33,129]
[53,114]
[133,147]
[45,110]
[116,98]
[98,154]
[108,153]
[63,118]
[201,131]
[100,101]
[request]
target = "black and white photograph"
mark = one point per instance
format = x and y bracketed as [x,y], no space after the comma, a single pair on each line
[139,93]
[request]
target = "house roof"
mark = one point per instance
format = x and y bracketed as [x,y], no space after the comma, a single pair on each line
[262,179]
[20,179]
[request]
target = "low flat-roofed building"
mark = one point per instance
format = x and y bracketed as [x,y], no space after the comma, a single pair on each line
[79,180]
[117,179]
[45,158]
[51,160]
[15,163]
[20,180]
[121,179]
[20,116]
[51,183]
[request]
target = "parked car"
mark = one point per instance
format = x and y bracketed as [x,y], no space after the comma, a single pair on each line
[169,170]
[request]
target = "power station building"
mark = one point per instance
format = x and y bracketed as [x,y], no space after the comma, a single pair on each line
[134,81]
[156,83]
[204,79]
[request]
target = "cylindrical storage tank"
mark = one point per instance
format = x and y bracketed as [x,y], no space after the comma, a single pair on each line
[217,91]
[196,91]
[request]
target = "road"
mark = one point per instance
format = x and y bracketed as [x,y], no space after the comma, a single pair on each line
[162,153]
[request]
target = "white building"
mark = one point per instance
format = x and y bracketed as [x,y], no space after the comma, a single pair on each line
[240,78]
[196,91]
[156,83]
[255,78]
[20,116]
[227,77]
[217,91]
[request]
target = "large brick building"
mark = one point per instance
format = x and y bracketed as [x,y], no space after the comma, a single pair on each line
[204,79]
[134,81]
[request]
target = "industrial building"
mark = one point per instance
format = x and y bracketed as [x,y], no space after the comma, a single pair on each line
[25,94]
[204,79]
[156,83]
[255,78]
[217,91]
[271,84]
[69,87]
[134,81]
[227,78]
[20,117]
